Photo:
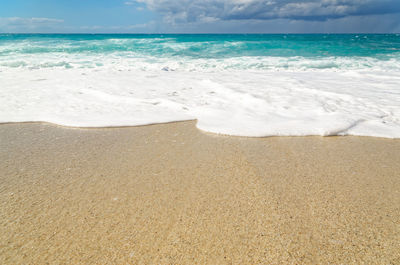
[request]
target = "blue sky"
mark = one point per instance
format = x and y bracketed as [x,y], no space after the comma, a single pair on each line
[199,16]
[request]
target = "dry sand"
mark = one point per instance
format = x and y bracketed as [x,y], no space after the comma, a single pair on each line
[170,194]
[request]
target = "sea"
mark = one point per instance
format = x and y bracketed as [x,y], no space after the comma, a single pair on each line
[253,85]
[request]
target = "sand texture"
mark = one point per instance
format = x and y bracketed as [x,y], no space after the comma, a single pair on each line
[171,194]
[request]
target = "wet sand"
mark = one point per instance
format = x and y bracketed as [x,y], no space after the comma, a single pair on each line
[171,194]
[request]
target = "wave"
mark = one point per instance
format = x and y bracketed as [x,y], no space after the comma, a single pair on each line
[135,61]
[206,46]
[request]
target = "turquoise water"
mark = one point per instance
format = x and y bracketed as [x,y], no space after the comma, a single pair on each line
[202,52]
[382,46]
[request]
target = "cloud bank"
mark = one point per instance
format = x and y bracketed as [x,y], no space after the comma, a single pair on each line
[181,11]
[15,24]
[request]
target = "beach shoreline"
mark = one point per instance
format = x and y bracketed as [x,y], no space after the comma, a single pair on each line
[172,194]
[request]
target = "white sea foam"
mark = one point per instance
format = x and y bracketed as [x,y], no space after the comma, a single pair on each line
[226,96]
[138,61]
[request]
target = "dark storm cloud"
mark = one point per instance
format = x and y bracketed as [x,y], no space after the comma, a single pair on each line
[307,10]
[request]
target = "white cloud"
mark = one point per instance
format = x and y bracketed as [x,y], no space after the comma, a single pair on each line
[136,28]
[12,24]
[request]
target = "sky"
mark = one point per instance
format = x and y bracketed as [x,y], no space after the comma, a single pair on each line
[199,16]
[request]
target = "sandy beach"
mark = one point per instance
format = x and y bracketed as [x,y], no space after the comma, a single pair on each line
[171,194]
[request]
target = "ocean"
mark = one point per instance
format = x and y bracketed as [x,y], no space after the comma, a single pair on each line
[243,85]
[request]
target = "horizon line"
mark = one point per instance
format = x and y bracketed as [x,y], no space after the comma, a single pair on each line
[202,33]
